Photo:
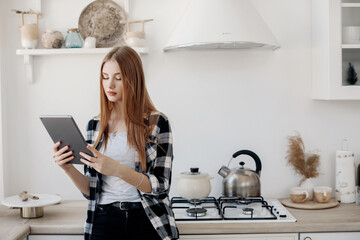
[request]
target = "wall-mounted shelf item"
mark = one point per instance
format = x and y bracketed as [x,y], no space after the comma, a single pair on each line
[332,51]
[29,53]
[124,3]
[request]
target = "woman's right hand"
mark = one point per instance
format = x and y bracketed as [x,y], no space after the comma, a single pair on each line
[61,158]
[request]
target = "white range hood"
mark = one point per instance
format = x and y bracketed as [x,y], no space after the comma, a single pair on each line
[221,24]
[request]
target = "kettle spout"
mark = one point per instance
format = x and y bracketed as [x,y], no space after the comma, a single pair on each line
[224,171]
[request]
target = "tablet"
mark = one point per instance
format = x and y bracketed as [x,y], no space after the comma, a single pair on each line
[63,128]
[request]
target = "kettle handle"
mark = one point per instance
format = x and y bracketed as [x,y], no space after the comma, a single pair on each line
[251,154]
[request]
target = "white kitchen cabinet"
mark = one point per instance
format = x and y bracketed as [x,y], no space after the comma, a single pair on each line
[330,57]
[282,236]
[55,237]
[330,236]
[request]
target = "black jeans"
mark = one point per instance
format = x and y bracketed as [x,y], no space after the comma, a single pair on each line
[112,223]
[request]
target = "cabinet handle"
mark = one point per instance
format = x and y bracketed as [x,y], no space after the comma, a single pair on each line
[307,238]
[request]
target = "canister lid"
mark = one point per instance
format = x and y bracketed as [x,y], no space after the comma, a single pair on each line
[194,173]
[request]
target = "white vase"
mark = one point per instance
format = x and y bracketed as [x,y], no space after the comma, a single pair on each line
[309,186]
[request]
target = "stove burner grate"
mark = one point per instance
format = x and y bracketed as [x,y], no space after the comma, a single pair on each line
[196,212]
[195,201]
[203,209]
[209,204]
[247,210]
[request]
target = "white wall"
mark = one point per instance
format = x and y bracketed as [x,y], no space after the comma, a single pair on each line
[218,101]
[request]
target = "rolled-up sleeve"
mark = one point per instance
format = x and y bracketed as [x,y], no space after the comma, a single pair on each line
[89,140]
[87,173]
[159,169]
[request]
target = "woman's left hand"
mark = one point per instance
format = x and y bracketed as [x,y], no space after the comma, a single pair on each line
[100,162]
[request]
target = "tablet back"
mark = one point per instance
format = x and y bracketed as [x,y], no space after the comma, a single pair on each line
[63,128]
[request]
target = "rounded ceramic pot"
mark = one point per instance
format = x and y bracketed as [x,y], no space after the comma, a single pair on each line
[193,184]
[52,39]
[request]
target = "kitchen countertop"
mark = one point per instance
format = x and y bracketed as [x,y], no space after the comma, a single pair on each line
[12,226]
[68,217]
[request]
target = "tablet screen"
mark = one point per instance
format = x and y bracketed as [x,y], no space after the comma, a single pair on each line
[63,128]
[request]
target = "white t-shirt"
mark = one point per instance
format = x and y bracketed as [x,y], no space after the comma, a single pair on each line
[115,189]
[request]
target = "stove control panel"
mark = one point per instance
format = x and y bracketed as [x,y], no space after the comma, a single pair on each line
[278,209]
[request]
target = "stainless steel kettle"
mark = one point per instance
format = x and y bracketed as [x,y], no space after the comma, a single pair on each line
[241,182]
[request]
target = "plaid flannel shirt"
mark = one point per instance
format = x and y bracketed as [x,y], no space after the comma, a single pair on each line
[159,156]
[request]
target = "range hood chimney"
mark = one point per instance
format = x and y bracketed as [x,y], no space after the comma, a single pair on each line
[221,24]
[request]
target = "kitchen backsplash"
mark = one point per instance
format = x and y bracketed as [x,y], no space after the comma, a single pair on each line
[218,102]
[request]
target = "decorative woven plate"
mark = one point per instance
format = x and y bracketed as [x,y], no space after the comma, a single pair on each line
[309,204]
[101,19]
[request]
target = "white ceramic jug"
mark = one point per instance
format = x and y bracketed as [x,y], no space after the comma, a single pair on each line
[309,186]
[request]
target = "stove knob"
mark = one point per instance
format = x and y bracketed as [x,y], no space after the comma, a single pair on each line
[307,238]
[282,213]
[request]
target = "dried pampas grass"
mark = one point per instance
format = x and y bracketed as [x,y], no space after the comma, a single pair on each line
[304,164]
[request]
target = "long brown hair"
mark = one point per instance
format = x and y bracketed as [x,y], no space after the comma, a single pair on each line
[137,105]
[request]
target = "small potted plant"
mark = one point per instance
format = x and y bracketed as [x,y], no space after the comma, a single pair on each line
[351,75]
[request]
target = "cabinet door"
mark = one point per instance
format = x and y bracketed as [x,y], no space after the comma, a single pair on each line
[330,55]
[330,236]
[285,236]
[55,237]
[326,49]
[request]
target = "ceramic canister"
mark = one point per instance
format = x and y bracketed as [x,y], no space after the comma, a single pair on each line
[52,39]
[351,34]
[29,36]
[193,184]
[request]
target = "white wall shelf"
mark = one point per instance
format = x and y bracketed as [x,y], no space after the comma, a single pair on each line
[353,87]
[69,51]
[350,4]
[29,53]
[351,46]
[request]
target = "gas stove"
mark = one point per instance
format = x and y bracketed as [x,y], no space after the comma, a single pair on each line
[252,209]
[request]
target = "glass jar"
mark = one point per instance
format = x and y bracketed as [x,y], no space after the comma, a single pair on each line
[73,38]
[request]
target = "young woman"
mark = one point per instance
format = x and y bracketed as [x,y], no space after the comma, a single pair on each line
[128,181]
